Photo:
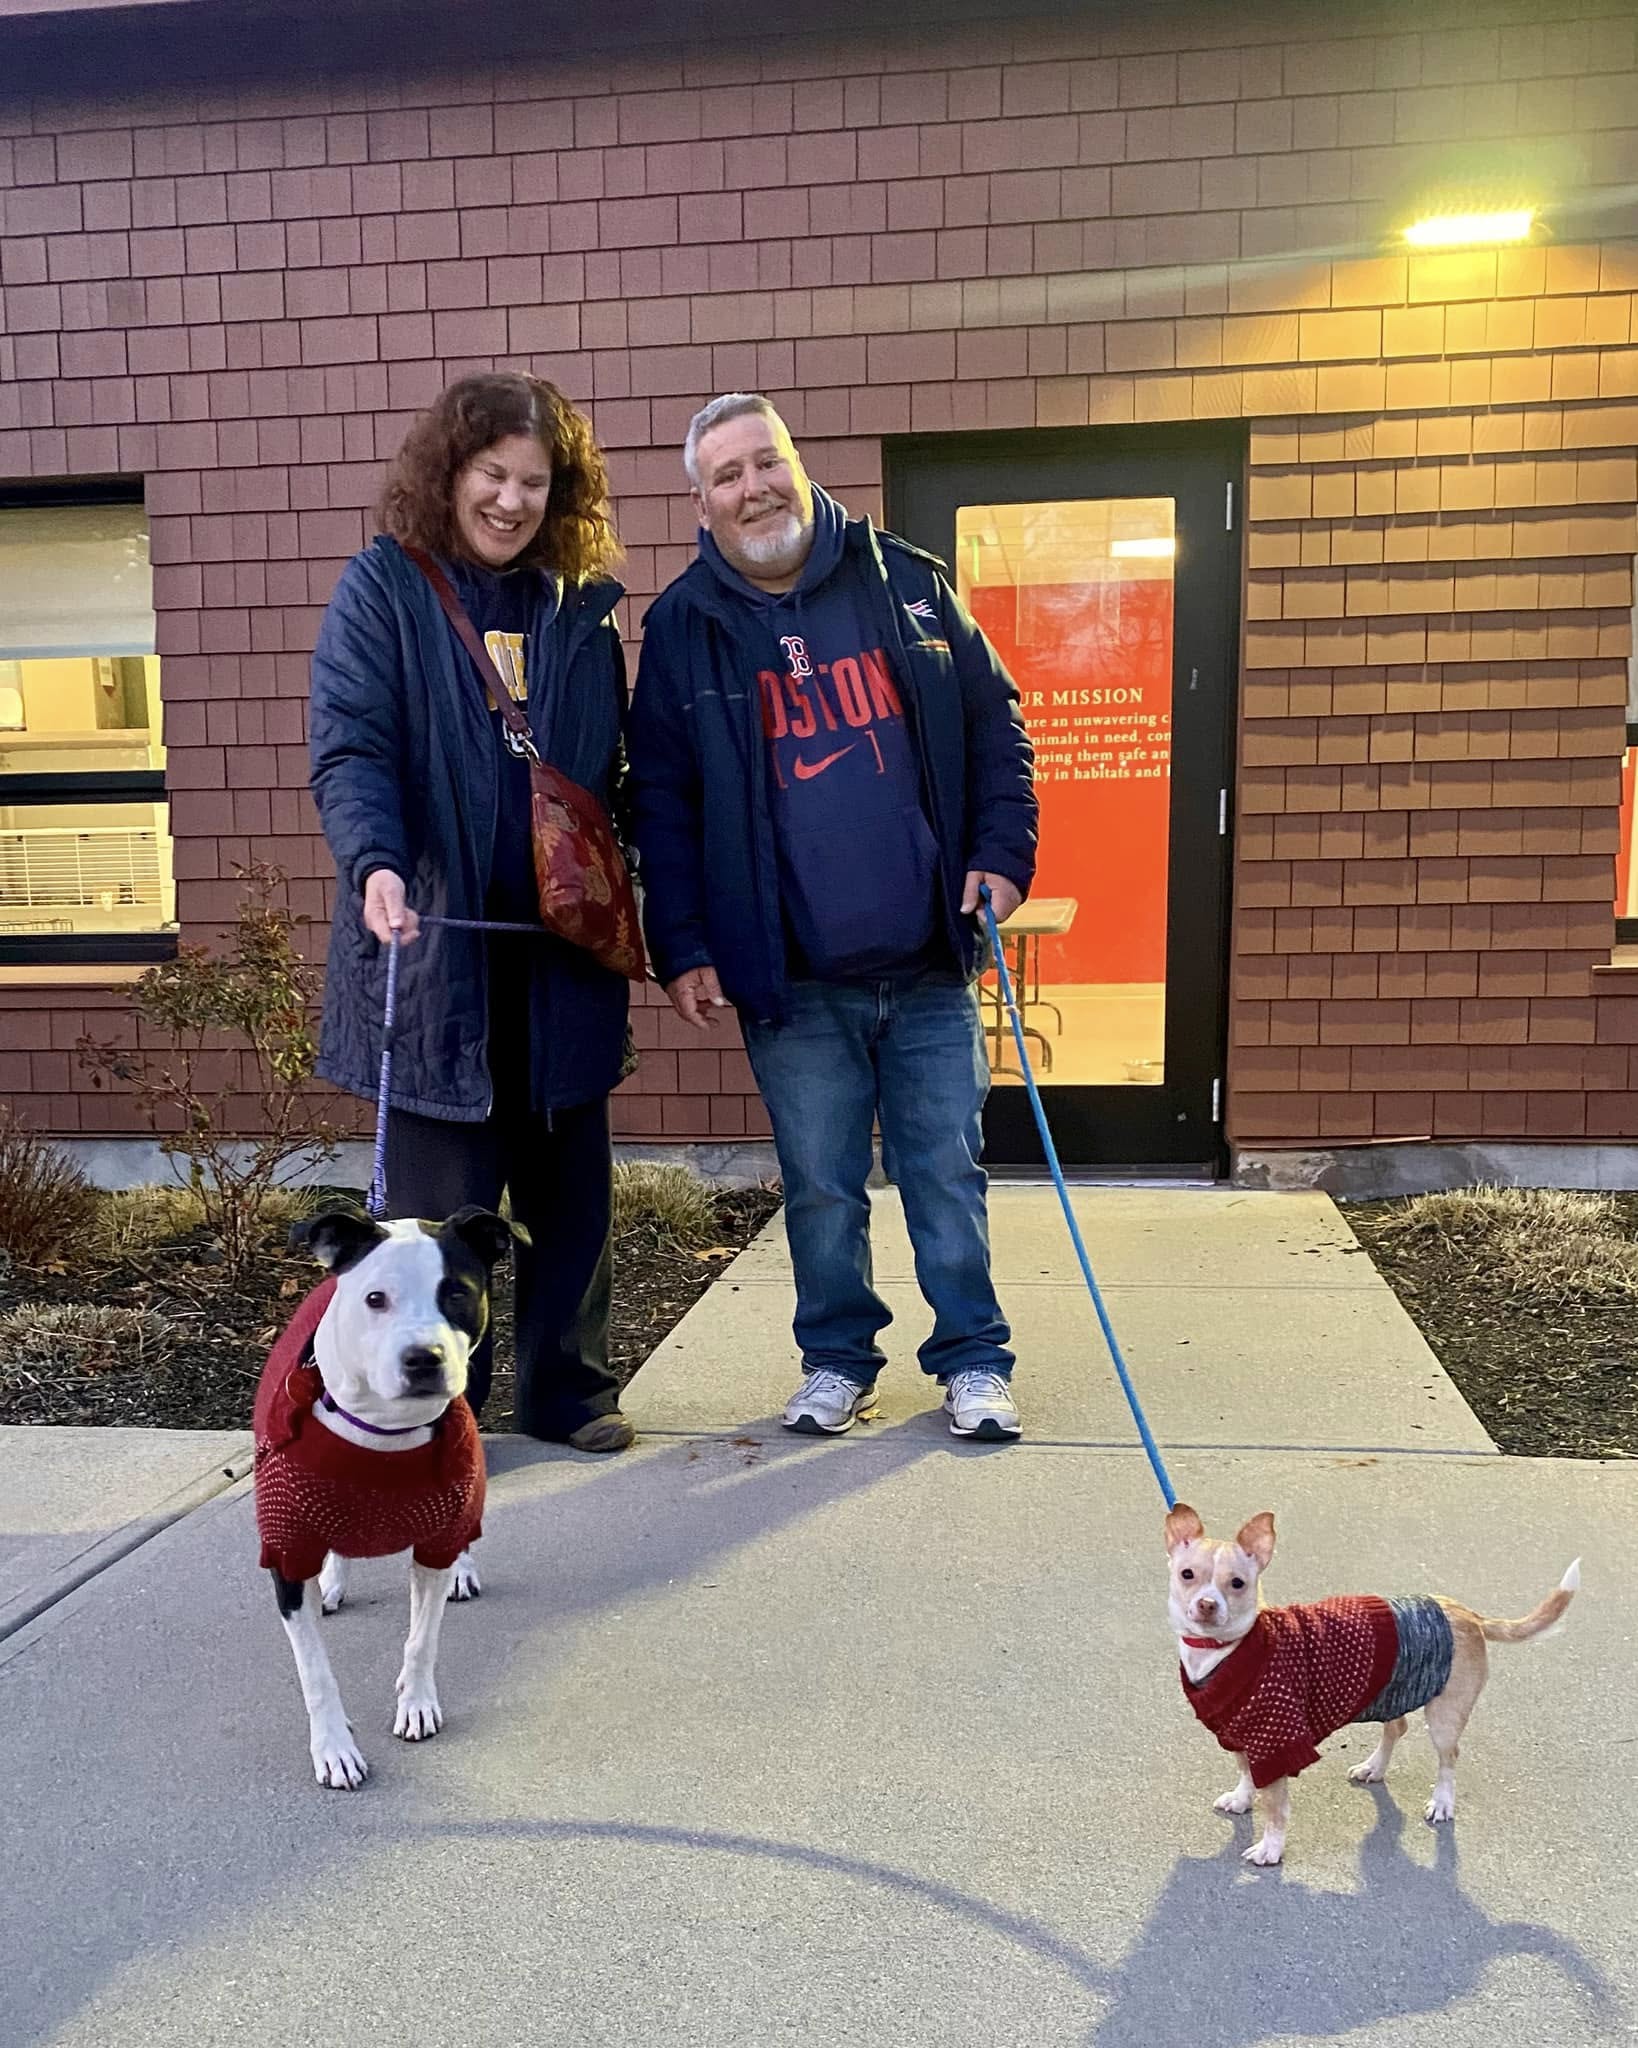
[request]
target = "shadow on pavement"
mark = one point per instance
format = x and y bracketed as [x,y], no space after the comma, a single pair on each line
[1227,1958]
[176,1678]
[1230,1956]
[161,1798]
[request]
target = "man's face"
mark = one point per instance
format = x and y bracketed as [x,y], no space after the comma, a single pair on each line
[754,496]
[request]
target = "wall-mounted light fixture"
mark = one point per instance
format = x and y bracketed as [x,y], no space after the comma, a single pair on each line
[1471,230]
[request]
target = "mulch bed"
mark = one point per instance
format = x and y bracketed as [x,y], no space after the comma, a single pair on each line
[1552,1382]
[208,1381]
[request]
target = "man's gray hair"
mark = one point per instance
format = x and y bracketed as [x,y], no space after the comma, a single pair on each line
[732,405]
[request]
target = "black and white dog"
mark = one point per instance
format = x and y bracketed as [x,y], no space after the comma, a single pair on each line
[365,1446]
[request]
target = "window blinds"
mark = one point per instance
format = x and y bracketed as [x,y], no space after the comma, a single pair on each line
[74,580]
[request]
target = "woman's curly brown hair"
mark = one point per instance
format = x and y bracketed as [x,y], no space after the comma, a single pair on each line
[417,507]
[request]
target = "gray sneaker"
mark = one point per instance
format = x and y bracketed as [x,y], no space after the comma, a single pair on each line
[828,1404]
[980,1404]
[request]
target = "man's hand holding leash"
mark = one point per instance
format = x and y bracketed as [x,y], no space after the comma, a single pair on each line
[1004,895]
[695,995]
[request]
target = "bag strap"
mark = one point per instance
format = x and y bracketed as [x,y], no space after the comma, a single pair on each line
[467,633]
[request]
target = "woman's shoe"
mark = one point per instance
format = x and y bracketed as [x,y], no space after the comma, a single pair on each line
[610,1432]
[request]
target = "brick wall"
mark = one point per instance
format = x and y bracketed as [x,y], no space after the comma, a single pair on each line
[1435,679]
[242,294]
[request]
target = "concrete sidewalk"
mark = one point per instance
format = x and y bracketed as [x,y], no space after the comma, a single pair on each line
[72,1501]
[755,1739]
[1246,1320]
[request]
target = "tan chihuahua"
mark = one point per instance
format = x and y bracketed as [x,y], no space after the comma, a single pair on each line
[1272,1682]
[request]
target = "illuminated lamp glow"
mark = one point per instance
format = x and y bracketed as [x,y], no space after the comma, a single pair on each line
[1463,230]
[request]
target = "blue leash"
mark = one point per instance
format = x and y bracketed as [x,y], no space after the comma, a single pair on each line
[1127,1388]
[376,1200]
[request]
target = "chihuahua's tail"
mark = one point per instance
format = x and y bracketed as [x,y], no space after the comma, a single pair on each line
[1539,1619]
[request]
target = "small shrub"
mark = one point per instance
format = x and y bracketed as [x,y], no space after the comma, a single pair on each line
[47,1206]
[81,1339]
[671,1200]
[230,1026]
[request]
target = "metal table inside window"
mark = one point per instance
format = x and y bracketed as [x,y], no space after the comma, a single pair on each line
[1045,917]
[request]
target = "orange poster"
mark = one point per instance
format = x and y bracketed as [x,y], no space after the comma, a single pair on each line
[1093,665]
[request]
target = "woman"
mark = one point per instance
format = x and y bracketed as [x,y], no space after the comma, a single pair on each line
[506,1045]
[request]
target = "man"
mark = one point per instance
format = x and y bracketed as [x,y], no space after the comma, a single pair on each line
[828,764]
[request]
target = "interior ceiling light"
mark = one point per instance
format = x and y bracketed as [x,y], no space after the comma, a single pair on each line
[1465,230]
[1156,547]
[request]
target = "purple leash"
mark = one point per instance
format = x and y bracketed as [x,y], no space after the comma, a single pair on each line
[376,1200]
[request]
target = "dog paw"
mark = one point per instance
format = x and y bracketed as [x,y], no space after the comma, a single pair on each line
[1233,1802]
[1263,1853]
[466,1585]
[1441,1807]
[419,1715]
[332,1584]
[337,1763]
[1370,1772]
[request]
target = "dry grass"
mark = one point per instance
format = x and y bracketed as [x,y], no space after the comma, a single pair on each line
[47,1206]
[1550,1246]
[131,1221]
[40,1340]
[135,1220]
[672,1200]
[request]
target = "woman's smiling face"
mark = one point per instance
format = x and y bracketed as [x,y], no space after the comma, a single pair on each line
[500,499]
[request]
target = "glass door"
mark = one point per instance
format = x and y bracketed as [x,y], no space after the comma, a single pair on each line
[1094,570]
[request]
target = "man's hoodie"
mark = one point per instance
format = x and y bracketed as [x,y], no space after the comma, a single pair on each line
[843,785]
[706,750]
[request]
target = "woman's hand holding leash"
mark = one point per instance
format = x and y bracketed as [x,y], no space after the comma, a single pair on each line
[386,911]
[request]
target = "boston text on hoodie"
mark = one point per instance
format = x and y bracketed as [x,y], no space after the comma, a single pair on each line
[842,783]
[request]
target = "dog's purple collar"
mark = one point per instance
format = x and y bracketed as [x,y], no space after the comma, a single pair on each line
[328,1400]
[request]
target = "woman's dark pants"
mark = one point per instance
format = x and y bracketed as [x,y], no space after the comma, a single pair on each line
[558,1170]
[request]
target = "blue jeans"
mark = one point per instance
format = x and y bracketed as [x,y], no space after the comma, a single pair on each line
[911,1055]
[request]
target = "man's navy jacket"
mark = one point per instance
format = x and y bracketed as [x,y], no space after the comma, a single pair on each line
[699,762]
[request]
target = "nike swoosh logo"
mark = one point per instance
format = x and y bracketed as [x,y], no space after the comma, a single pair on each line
[806,770]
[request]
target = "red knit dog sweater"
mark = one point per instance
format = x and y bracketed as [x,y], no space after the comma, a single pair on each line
[316,1492]
[1301,1674]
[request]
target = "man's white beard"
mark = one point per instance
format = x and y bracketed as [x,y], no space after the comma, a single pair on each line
[779,551]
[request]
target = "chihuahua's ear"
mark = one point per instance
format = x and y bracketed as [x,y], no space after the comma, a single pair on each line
[1183,1526]
[1256,1539]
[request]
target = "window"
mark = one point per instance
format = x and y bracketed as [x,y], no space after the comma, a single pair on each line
[1076,596]
[85,849]
[1626,865]
[1626,860]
